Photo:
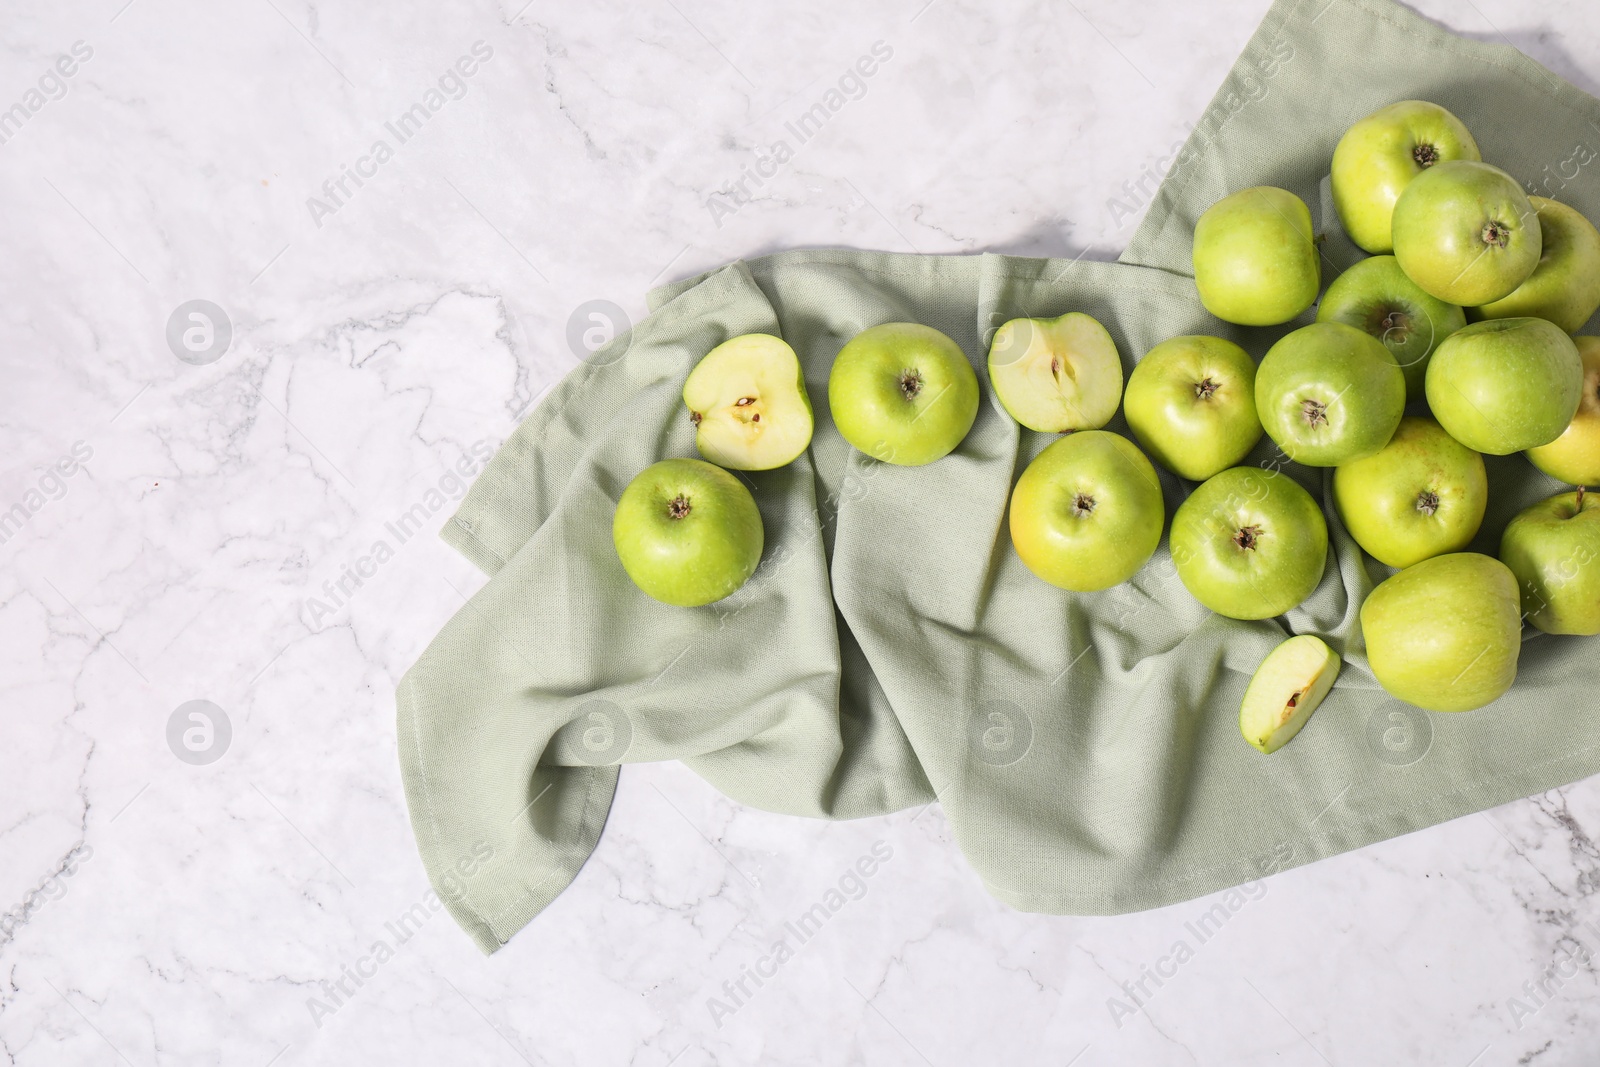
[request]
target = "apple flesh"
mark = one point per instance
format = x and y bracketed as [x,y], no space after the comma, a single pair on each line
[1444,634]
[1565,286]
[688,533]
[1466,233]
[1423,494]
[1329,393]
[1553,548]
[1376,296]
[747,400]
[1285,690]
[1255,258]
[1191,403]
[1056,375]
[903,393]
[1380,155]
[1503,385]
[1574,457]
[1087,512]
[1249,543]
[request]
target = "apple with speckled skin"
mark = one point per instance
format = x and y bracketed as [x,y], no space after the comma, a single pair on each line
[1423,494]
[1087,512]
[903,393]
[1376,296]
[1574,457]
[1565,286]
[1503,385]
[1191,402]
[1445,634]
[1380,155]
[688,533]
[1249,543]
[1255,257]
[1329,393]
[1466,233]
[1553,548]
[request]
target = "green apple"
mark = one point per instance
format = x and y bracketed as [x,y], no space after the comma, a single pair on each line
[1249,543]
[1423,494]
[1503,385]
[1087,512]
[1255,258]
[1565,286]
[903,393]
[1056,375]
[1379,156]
[747,400]
[1466,233]
[1375,295]
[1329,393]
[1444,634]
[1285,690]
[688,533]
[1191,402]
[1574,457]
[1553,548]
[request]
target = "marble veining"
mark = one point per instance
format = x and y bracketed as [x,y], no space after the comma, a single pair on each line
[399,220]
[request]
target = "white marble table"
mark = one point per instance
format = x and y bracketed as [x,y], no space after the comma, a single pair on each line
[168,911]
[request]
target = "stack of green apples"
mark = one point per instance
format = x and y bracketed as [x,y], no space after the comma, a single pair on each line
[1390,386]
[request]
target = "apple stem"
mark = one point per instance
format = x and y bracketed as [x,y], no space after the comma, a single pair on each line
[1580,499]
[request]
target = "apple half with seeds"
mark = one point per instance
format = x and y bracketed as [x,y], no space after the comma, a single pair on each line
[747,400]
[1285,690]
[1056,375]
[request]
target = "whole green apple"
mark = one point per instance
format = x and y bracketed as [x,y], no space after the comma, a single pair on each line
[1553,548]
[1056,375]
[1379,156]
[1285,690]
[1376,296]
[1249,543]
[1565,286]
[1329,393]
[1466,233]
[747,399]
[1503,385]
[1574,457]
[1191,402]
[1087,512]
[1423,494]
[903,393]
[1444,634]
[1255,258]
[688,533]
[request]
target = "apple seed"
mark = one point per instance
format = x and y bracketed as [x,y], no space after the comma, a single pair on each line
[679,507]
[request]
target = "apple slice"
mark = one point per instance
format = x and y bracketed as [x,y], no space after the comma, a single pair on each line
[1285,690]
[747,399]
[1056,375]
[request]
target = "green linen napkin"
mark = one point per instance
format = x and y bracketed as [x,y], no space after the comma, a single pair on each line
[891,648]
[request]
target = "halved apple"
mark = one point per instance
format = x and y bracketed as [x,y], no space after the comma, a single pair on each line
[747,399]
[1056,375]
[1285,690]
